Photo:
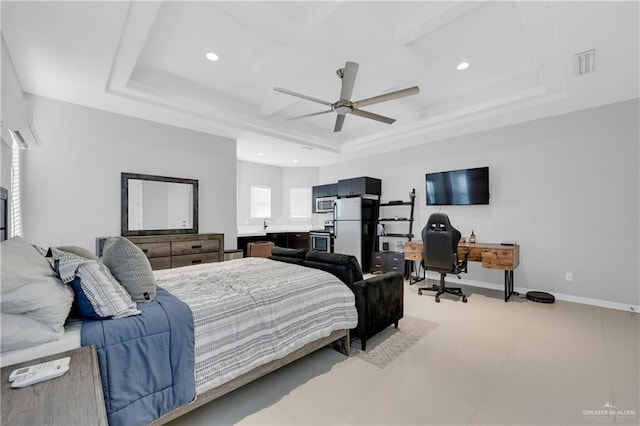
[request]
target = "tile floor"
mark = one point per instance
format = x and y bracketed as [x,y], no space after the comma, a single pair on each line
[487,363]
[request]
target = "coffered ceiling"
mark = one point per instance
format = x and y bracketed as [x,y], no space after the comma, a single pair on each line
[147,59]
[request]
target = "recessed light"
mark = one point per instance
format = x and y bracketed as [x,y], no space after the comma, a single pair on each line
[295,161]
[260,154]
[211,56]
[462,66]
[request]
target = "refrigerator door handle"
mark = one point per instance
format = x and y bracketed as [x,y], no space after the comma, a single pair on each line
[335,222]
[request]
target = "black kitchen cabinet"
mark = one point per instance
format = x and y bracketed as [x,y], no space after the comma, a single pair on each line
[280,239]
[328,190]
[298,240]
[359,186]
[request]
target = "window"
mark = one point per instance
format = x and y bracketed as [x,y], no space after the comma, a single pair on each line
[14,203]
[261,202]
[300,203]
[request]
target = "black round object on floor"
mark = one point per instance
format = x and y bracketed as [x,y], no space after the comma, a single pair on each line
[540,297]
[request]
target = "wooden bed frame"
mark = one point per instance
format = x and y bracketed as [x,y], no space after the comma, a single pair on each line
[339,339]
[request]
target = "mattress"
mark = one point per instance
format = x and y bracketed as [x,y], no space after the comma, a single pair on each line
[248,312]
[69,340]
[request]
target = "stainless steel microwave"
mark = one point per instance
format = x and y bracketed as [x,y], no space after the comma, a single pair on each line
[325,204]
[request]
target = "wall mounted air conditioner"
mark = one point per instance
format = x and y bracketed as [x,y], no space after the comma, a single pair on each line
[17,124]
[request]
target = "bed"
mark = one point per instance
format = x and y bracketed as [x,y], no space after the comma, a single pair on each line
[229,323]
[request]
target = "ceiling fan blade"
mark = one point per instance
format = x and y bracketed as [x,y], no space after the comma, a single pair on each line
[310,115]
[299,95]
[372,116]
[387,97]
[339,123]
[348,80]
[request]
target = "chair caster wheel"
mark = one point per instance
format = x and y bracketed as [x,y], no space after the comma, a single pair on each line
[419,292]
[437,300]
[464,300]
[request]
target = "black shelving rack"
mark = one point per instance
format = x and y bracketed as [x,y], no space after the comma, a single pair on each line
[412,197]
[397,219]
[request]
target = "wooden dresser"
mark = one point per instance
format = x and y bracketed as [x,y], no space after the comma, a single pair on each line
[173,251]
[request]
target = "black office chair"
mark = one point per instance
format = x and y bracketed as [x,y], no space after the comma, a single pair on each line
[440,253]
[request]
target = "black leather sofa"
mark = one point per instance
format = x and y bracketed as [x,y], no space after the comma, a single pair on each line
[379,299]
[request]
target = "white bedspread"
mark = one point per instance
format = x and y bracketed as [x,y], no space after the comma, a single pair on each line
[251,311]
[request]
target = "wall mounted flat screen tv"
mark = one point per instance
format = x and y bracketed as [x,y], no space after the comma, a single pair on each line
[458,187]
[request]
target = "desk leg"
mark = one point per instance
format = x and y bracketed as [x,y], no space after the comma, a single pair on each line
[508,285]
[418,277]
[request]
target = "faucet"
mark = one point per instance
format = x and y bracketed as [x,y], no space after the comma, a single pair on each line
[264,225]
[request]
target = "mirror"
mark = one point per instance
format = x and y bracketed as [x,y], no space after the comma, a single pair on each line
[158,205]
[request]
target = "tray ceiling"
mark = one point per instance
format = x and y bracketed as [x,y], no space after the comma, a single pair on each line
[146,59]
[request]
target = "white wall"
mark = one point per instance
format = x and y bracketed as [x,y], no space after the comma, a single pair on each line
[280,180]
[71,186]
[565,188]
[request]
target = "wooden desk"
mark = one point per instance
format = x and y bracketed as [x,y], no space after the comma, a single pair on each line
[74,398]
[492,256]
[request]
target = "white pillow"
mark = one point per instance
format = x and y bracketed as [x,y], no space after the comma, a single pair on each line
[20,332]
[30,288]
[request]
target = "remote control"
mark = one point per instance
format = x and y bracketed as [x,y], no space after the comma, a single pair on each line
[17,373]
[40,376]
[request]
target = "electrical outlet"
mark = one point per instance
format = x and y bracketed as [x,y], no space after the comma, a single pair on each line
[568,276]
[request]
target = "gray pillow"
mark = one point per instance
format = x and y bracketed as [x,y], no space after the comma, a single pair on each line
[80,251]
[130,266]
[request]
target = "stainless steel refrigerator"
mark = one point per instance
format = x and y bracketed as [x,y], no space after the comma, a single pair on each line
[354,228]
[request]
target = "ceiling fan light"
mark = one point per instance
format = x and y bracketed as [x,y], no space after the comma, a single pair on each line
[212,56]
[462,66]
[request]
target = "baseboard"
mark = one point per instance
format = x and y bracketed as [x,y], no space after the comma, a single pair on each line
[559,296]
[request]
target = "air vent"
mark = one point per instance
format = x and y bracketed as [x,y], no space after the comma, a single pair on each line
[585,62]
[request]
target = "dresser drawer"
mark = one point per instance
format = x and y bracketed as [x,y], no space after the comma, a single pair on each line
[155,249]
[394,262]
[475,254]
[194,246]
[377,262]
[499,259]
[413,250]
[160,262]
[194,259]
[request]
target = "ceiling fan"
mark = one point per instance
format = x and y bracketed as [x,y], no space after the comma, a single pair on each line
[344,106]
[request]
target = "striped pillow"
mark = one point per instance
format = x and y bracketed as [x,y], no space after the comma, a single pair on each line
[131,268]
[98,294]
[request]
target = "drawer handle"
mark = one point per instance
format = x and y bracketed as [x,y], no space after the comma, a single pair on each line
[196,261]
[196,247]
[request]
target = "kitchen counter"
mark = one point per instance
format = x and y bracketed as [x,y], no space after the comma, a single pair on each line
[255,231]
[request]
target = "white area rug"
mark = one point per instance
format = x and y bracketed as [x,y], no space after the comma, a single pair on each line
[390,343]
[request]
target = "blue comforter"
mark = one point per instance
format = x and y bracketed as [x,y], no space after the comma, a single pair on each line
[146,361]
